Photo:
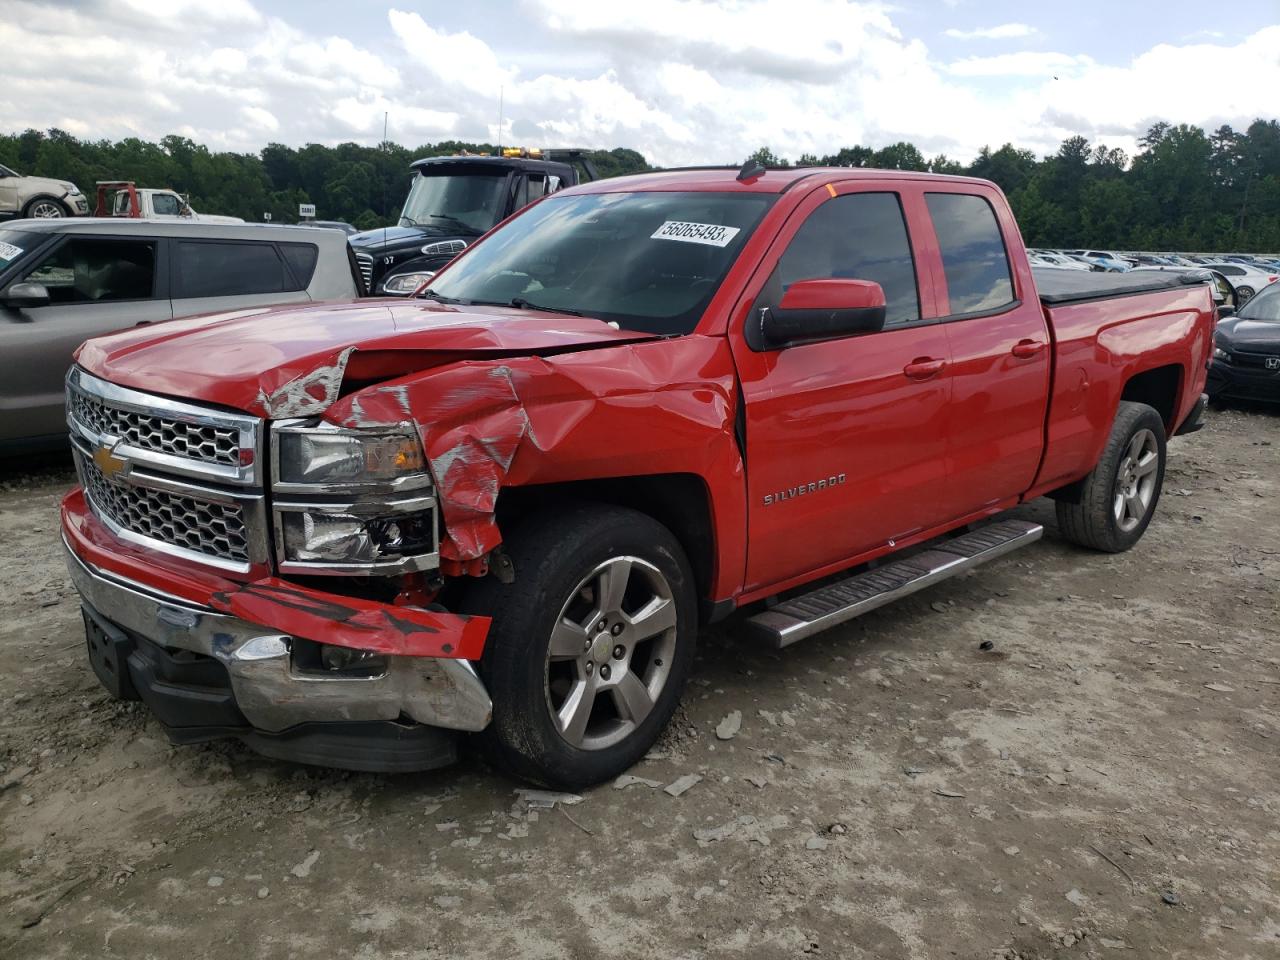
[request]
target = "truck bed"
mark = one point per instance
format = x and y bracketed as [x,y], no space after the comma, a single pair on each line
[1058,287]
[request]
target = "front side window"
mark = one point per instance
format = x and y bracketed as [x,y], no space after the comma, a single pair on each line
[210,268]
[856,236]
[89,270]
[646,261]
[166,205]
[973,255]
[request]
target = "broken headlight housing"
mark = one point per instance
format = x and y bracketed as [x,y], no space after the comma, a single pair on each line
[352,502]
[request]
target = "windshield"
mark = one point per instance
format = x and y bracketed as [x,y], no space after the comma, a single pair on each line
[12,245]
[467,204]
[1264,305]
[647,261]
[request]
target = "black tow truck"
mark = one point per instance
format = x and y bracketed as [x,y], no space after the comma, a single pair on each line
[453,200]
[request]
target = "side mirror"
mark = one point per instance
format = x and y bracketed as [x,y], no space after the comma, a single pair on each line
[26,295]
[1226,310]
[823,310]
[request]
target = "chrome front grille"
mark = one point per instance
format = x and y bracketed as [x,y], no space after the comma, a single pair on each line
[365,262]
[191,441]
[170,435]
[216,530]
[170,475]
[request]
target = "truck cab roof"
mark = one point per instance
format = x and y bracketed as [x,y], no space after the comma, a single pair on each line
[773,180]
[430,165]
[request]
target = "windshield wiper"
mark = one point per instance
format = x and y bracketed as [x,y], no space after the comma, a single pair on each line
[465,226]
[524,304]
[429,294]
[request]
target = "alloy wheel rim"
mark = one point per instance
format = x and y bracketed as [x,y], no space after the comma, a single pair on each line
[610,653]
[45,210]
[1135,488]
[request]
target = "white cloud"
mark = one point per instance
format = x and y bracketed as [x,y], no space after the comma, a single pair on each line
[1027,63]
[681,81]
[1005,31]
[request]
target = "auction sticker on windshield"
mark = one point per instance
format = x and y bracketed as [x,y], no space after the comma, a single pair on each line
[8,251]
[711,234]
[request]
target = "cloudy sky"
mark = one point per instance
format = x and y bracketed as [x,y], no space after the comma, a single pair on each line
[682,81]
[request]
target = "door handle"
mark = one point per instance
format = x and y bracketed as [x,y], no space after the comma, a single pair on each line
[1026,349]
[924,368]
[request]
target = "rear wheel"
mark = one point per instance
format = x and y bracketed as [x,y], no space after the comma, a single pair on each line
[44,208]
[1244,294]
[589,647]
[1118,499]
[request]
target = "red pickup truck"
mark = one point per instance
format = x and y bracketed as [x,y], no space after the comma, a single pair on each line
[347,533]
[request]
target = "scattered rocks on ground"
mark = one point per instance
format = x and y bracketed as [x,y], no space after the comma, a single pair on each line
[728,728]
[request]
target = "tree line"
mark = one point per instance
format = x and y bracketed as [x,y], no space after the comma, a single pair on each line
[1185,189]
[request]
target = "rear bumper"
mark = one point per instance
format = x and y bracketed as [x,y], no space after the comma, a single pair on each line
[1243,383]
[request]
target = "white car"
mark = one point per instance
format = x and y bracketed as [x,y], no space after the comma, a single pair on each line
[1058,261]
[1247,280]
[39,197]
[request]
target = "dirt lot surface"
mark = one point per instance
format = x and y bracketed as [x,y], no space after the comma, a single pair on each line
[1104,782]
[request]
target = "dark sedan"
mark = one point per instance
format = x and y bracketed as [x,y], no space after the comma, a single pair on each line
[1246,354]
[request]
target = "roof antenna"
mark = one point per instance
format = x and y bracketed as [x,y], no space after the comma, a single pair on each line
[751,171]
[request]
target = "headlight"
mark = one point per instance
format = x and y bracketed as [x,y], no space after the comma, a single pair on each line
[1220,354]
[316,537]
[352,502]
[338,457]
[404,284]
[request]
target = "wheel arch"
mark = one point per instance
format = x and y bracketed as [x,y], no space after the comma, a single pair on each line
[1159,388]
[681,502]
[30,201]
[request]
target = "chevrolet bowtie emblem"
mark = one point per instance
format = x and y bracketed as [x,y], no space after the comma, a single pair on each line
[105,459]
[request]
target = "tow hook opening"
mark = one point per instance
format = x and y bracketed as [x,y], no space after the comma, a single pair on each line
[312,659]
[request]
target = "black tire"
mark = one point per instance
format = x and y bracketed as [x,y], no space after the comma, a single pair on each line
[45,207]
[1244,294]
[1098,520]
[552,557]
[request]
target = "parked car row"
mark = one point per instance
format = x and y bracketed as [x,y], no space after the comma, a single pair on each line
[1246,273]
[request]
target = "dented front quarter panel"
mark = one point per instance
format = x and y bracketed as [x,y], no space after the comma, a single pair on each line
[655,407]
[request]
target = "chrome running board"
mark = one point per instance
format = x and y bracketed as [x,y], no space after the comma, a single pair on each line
[836,603]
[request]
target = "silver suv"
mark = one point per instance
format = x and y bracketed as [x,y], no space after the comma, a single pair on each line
[39,197]
[64,281]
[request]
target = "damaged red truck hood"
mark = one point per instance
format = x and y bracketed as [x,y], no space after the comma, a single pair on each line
[291,361]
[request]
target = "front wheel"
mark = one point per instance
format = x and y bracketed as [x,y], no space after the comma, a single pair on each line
[589,647]
[1118,498]
[44,208]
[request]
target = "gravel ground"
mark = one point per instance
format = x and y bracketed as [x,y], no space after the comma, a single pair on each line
[1103,780]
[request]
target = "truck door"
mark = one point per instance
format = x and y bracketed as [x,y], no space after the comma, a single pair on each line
[1000,352]
[845,438]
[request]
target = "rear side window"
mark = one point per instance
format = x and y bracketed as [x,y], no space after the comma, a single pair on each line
[302,259]
[856,236]
[973,255]
[89,270]
[212,268]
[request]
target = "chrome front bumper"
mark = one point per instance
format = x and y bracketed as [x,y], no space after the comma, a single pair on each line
[271,695]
